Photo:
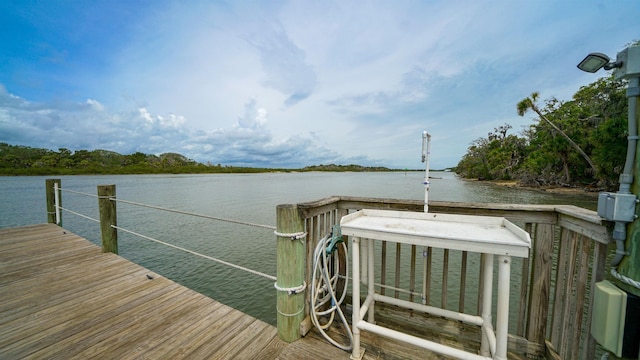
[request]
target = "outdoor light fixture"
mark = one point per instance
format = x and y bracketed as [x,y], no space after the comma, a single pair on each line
[620,338]
[596,61]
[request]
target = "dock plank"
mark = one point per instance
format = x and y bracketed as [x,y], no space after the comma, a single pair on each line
[171,348]
[123,331]
[55,332]
[57,307]
[270,350]
[40,303]
[172,325]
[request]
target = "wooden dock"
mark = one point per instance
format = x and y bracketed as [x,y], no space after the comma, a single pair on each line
[62,298]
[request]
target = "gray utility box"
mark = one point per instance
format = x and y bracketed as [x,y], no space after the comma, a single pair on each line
[629,59]
[617,207]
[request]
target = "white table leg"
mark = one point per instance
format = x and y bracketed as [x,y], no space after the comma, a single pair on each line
[364,268]
[355,317]
[371,288]
[424,275]
[487,282]
[502,316]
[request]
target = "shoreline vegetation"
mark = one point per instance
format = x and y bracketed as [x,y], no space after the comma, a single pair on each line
[18,160]
[24,160]
[579,143]
[554,189]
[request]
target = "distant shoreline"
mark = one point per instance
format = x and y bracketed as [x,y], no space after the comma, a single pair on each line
[549,189]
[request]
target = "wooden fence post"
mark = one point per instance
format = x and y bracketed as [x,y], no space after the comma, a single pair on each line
[51,203]
[108,218]
[541,287]
[291,263]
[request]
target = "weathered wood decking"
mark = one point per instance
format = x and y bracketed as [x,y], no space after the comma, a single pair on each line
[62,298]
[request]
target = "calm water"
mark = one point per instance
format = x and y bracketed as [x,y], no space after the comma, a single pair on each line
[245,197]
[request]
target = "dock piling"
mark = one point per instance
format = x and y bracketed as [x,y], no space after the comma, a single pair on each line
[289,271]
[108,218]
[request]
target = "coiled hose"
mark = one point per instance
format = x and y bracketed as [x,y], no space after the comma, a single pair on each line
[325,303]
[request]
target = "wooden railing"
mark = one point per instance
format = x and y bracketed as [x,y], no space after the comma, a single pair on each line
[551,313]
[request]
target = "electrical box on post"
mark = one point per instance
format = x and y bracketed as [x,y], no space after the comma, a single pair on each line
[629,60]
[614,323]
[617,207]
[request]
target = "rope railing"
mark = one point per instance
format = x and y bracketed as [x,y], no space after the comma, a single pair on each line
[211,258]
[71,211]
[269,227]
[78,214]
[78,192]
[255,272]
[289,283]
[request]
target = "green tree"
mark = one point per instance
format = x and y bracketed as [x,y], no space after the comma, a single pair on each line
[604,105]
[579,141]
[496,157]
[530,103]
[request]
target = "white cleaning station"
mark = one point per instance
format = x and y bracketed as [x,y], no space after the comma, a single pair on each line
[489,236]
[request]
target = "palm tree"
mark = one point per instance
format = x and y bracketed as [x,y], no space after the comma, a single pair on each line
[530,103]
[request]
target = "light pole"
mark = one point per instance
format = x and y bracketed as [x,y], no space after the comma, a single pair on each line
[616,307]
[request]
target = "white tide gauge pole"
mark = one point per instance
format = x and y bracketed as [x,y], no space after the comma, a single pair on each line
[426,152]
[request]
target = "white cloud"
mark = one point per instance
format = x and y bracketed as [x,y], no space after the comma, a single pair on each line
[77,126]
[144,113]
[284,64]
[95,105]
[303,82]
[253,118]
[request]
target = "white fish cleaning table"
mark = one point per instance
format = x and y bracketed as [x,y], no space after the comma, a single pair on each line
[486,235]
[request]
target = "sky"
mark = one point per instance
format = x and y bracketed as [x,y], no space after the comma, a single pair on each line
[286,84]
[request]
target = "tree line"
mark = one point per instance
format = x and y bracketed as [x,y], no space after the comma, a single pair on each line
[24,160]
[576,143]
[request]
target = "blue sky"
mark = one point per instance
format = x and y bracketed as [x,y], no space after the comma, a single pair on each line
[291,83]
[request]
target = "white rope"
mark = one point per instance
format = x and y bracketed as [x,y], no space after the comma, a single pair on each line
[78,214]
[324,302]
[289,315]
[255,272]
[291,290]
[194,214]
[293,236]
[79,193]
[625,279]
